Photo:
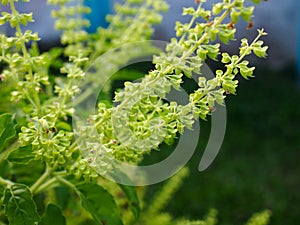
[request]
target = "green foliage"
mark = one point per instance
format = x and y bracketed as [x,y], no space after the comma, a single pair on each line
[53,215]
[19,206]
[259,218]
[96,200]
[7,130]
[22,155]
[163,197]
[169,189]
[134,202]
[44,86]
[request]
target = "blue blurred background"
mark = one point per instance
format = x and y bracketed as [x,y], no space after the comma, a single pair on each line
[279,18]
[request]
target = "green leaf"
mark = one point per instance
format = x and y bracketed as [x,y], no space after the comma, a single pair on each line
[62,195]
[7,129]
[63,126]
[52,216]
[22,155]
[96,200]
[127,74]
[19,206]
[134,204]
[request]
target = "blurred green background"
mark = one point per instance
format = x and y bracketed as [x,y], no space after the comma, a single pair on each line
[258,165]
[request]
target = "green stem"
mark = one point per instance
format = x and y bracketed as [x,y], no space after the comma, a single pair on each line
[128,32]
[250,47]
[53,182]
[188,53]
[5,182]
[42,184]
[192,49]
[205,35]
[190,24]
[60,173]
[243,55]
[40,181]
[68,184]
[27,57]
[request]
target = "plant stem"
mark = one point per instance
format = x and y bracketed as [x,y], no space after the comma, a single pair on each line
[204,36]
[5,182]
[60,173]
[40,181]
[42,184]
[250,47]
[27,58]
[68,184]
[243,55]
[190,51]
[47,185]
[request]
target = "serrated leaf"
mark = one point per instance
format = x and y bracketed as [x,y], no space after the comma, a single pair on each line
[100,203]
[19,206]
[22,155]
[53,215]
[7,129]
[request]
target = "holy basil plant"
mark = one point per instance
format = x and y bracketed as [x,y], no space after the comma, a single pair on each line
[46,178]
